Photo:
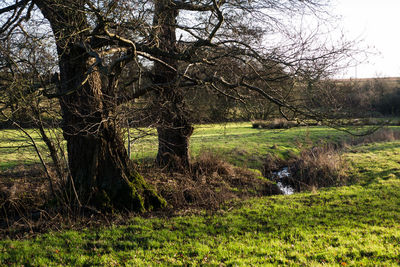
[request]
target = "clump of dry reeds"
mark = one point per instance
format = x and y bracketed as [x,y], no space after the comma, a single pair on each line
[317,167]
[313,168]
[323,165]
[211,164]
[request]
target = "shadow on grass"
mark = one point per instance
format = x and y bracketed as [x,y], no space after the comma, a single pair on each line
[301,223]
[378,147]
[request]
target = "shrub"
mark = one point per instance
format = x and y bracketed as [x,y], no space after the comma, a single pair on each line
[275,124]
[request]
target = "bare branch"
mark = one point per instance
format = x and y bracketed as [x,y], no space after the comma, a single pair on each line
[19,4]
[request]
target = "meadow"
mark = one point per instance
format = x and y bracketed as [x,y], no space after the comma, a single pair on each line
[238,143]
[353,225]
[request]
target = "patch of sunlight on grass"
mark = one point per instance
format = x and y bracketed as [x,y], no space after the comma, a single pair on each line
[351,225]
[237,143]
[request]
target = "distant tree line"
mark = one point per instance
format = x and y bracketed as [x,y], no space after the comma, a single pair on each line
[373,97]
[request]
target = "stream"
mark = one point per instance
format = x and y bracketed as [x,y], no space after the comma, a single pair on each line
[279,177]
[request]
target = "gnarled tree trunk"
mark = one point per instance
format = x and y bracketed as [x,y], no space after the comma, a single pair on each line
[175,128]
[173,135]
[102,173]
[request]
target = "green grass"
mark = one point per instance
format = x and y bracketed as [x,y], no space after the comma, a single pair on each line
[238,143]
[243,145]
[15,148]
[372,162]
[354,225]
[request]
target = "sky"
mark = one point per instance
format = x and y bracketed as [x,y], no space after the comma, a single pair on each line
[376,25]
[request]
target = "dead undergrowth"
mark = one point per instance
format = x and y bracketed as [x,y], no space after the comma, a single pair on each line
[27,207]
[23,193]
[318,167]
[210,183]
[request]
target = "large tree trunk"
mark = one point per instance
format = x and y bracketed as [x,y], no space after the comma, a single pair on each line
[104,175]
[101,171]
[173,137]
[174,128]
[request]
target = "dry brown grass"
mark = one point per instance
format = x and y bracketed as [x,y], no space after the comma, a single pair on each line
[317,167]
[312,169]
[28,208]
[23,192]
[210,183]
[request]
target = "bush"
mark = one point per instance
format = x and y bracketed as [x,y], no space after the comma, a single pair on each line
[275,124]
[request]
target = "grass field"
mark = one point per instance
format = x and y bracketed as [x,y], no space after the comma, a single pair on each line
[237,143]
[357,225]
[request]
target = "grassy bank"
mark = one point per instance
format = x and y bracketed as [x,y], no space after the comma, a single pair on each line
[354,225]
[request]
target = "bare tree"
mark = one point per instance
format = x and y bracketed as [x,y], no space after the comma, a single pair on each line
[99,165]
[230,47]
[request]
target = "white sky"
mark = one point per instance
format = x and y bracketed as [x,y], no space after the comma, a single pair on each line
[376,25]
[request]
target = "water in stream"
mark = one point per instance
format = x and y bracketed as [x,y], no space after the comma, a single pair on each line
[280,175]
